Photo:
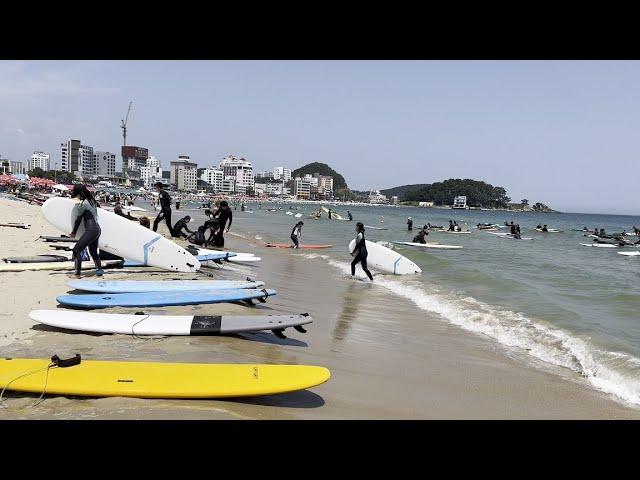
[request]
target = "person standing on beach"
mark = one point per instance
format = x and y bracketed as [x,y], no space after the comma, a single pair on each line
[165,208]
[409,224]
[86,209]
[296,234]
[360,252]
[223,214]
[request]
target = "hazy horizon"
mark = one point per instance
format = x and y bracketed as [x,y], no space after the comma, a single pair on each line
[558,132]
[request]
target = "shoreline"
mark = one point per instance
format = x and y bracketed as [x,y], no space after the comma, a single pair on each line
[388,359]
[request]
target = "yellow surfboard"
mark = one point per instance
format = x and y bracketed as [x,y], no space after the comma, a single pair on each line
[157,380]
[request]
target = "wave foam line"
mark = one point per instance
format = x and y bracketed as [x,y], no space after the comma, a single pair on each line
[615,373]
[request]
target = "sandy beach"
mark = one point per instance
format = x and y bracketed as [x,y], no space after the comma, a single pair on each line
[388,360]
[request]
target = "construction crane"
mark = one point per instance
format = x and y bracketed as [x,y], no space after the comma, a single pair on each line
[123,124]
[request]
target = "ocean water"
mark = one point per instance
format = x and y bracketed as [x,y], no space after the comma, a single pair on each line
[565,304]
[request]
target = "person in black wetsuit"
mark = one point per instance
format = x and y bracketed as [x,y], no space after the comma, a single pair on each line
[409,224]
[86,209]
[165,208]
[296,234]
[451,226]
[349,215]
[544,228]
[144,221]
[360,252]
[223,214]
[182,224]
[513,229]
[198,237]
[420,237]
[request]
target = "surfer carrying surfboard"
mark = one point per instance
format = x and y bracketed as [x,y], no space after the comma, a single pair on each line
[165,208]
[360,252]
[87,210]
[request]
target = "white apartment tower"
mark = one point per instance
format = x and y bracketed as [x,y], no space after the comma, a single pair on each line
[239,170]
[213,177]
[184,173]
[281,173]
[104,163]
[39,160]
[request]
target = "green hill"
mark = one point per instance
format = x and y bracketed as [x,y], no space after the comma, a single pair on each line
[479,194]
[339,182]
[402,190]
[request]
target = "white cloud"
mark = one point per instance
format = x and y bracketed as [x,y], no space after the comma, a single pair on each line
[18,131]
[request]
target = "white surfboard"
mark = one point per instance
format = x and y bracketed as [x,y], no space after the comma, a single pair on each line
[124,238]
[600,245]
[629,254]
[429,245]
[139,286]
[165,324]
[386,260]
[238,257]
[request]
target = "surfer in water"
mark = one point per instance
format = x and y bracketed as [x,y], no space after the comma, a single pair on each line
[360,252]
[329,213]
[420,237]
[451,228]
[349,215]
[223,214]
[409,224]
[165,208]
[296,234]
[86,209]
[180,225]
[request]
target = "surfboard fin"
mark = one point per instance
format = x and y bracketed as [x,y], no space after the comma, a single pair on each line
[249,302]
[278,333]
[263,299]
[66,362]
[300,328]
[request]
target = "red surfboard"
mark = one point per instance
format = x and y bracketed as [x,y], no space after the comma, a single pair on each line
[290,245]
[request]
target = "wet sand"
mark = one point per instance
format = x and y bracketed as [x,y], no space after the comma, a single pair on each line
[387,358]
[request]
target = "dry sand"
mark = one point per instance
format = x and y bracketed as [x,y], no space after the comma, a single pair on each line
[388,360]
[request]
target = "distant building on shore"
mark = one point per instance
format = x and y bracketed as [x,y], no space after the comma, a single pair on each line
[16,168]
[377,198]
[214,177]
[104,163]
[460,202]
[134,158]
[151,173]
[85,162]
[184,174]
[425,204]
[39,160]
[281,173]
[239,170]
[302,188]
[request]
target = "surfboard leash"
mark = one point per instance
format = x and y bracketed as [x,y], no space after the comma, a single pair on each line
[55,362]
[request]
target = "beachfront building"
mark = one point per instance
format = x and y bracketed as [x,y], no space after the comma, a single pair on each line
[241,171]
[264,175]
[69,155]
[184,174]
[377,198]
[214,177]
[302,188]
[281,173]
[425,204]
[16,167]
[151,173]
[104,163]
[228,186]
[460,202]
[395,200]
[39,160]
[134,158]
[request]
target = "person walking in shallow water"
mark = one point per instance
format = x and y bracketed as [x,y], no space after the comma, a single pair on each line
[85,210]
[296,234]
[409,224]
[360,252]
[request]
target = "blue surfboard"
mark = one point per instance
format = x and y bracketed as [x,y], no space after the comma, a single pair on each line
[136,286]
[163,299]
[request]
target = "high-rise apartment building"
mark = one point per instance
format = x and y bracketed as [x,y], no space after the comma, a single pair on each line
[39,160]
[184,174]
[239,170]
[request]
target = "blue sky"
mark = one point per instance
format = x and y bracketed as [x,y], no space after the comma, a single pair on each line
[561,132]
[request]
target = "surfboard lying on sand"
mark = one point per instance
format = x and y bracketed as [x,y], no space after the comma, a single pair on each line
[290,245]
[427,245]
[124,238]
[163,299]
[240,257]
[58,239]
[136,286]
[157,380]
[600,245]
[386,260]
[167,324]
[16,225]
[23,267]
[38,259]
